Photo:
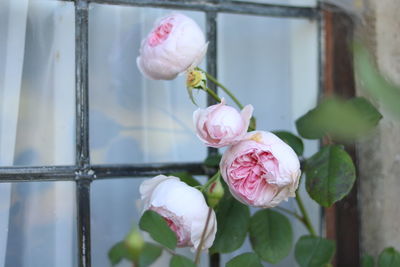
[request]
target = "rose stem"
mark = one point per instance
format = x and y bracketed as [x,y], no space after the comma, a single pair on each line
[303,211]
[212,93]
[198,252]
[294,214]
[229,93]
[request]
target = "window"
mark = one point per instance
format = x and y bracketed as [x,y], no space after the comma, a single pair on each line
[99,125]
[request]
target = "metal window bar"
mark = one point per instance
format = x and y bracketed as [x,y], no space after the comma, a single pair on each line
[211,31]
[83,172]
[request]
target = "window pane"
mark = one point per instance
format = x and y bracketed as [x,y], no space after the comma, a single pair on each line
[37,108]
[113,213]
[37,82]
[261,45]
[134,119]
[39,227]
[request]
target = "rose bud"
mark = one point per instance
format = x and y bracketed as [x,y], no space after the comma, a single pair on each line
[135,243]
[183,208]
[261,170]
[175,44]
[214,192]
[220,125]
[196,79]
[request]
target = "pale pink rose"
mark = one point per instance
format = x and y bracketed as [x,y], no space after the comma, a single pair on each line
[221,125]
[183,208]
[175,44]
[261,170]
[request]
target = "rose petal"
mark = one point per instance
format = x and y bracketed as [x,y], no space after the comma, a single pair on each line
[261,170]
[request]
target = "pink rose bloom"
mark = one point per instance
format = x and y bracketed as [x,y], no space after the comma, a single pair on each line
[174,44]
[183,208]
[220,125]
[261,170]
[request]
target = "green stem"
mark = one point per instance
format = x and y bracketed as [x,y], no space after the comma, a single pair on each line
[294,214]
[212,93]
[307,221]
[203,235]
[229,93]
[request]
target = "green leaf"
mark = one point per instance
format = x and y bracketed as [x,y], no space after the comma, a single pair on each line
[293,141]
[342,120]
[150,254]
[330,175]
[389,257]
[270,235]
[367,261]
[367,111]
[186,178]
[158,229]
[190,93]
[351,119]
[118,252]
[245,260]
[213,160]
[380,88]
[233,222]
[181,261]
[309,125]
[313,251]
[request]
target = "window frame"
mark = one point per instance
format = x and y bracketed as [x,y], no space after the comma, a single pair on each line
[83,172]
[342,219]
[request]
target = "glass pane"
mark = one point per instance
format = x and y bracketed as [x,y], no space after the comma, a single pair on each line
[263,47]
[37,107]
[113,213]
[277,74]
[39,227]
[37,83]
[133,119]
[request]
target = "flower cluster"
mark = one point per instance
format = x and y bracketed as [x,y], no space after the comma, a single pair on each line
[259,168]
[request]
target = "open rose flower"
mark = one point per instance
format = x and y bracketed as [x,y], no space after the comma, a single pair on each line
[175,44]
[221,125]
[261,170]
[183,208]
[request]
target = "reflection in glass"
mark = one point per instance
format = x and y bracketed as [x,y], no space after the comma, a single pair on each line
[37,78]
